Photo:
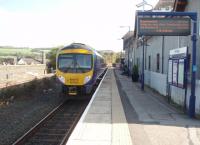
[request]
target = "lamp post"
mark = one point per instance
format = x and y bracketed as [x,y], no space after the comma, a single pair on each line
[142,4]
[128,45]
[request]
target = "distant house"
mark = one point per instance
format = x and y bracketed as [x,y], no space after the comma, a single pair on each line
[28,61]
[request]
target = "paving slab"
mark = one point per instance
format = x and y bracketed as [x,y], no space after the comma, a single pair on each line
[104,121]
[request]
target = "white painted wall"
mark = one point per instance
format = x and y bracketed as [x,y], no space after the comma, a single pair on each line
[158,82]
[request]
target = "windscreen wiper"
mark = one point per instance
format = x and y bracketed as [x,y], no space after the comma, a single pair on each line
[79,67]
[66,69]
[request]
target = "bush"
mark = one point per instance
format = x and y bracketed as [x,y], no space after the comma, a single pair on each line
[29,89]
[135,74]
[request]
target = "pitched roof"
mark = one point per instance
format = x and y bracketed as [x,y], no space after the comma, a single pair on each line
[128,34]
[29,61]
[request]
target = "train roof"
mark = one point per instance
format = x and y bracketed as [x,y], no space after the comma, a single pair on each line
[81,45]
[78,45]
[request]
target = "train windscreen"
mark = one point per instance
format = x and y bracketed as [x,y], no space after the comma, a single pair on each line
[75,62]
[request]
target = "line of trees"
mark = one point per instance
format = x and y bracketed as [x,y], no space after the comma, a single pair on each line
[111,57]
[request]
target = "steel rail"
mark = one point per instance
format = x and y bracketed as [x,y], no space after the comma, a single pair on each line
[24,137]
[30,133]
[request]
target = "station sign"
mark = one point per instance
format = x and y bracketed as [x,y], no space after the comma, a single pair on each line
[178,52]
[164,26]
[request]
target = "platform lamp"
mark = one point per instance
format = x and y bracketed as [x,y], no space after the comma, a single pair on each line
[142,4]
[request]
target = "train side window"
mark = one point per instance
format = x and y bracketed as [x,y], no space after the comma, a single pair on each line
[98,60]
[101,60]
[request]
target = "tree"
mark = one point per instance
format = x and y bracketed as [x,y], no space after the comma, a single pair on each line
[52,58]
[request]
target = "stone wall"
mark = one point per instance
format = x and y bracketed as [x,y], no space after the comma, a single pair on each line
[14,74]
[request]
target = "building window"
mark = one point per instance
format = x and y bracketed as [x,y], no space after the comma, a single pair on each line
[199,27]
[149,67]
[158,62]
[145,64]
[138,62]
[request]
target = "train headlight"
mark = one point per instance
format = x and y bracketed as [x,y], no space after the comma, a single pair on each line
[87,78]
[62,79]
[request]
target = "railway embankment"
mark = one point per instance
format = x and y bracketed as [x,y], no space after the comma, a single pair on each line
[23,105]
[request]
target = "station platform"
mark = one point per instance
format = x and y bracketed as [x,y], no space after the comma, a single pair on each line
[103,122]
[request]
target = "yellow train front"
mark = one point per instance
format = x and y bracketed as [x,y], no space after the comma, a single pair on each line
[78,67]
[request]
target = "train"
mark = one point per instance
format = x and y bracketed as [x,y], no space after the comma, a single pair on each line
[78,68]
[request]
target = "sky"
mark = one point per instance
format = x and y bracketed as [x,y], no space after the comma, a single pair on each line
[51,23]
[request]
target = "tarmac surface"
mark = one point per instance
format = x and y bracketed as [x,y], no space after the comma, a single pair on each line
[152,121]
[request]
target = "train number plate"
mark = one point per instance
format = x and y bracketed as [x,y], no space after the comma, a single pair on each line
[73,81]
[72,91]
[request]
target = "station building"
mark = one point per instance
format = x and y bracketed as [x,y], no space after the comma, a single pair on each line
[128,42]
[156,55]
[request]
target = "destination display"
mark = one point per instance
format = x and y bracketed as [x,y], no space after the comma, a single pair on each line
[164,26]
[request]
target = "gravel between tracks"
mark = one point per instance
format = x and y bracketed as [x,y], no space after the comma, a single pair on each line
[19,116]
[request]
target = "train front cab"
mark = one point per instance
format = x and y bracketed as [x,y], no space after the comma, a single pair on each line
[75,71]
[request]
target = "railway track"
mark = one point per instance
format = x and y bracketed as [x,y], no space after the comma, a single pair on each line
[56,127]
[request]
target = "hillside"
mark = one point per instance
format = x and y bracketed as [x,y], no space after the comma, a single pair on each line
[17,51]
